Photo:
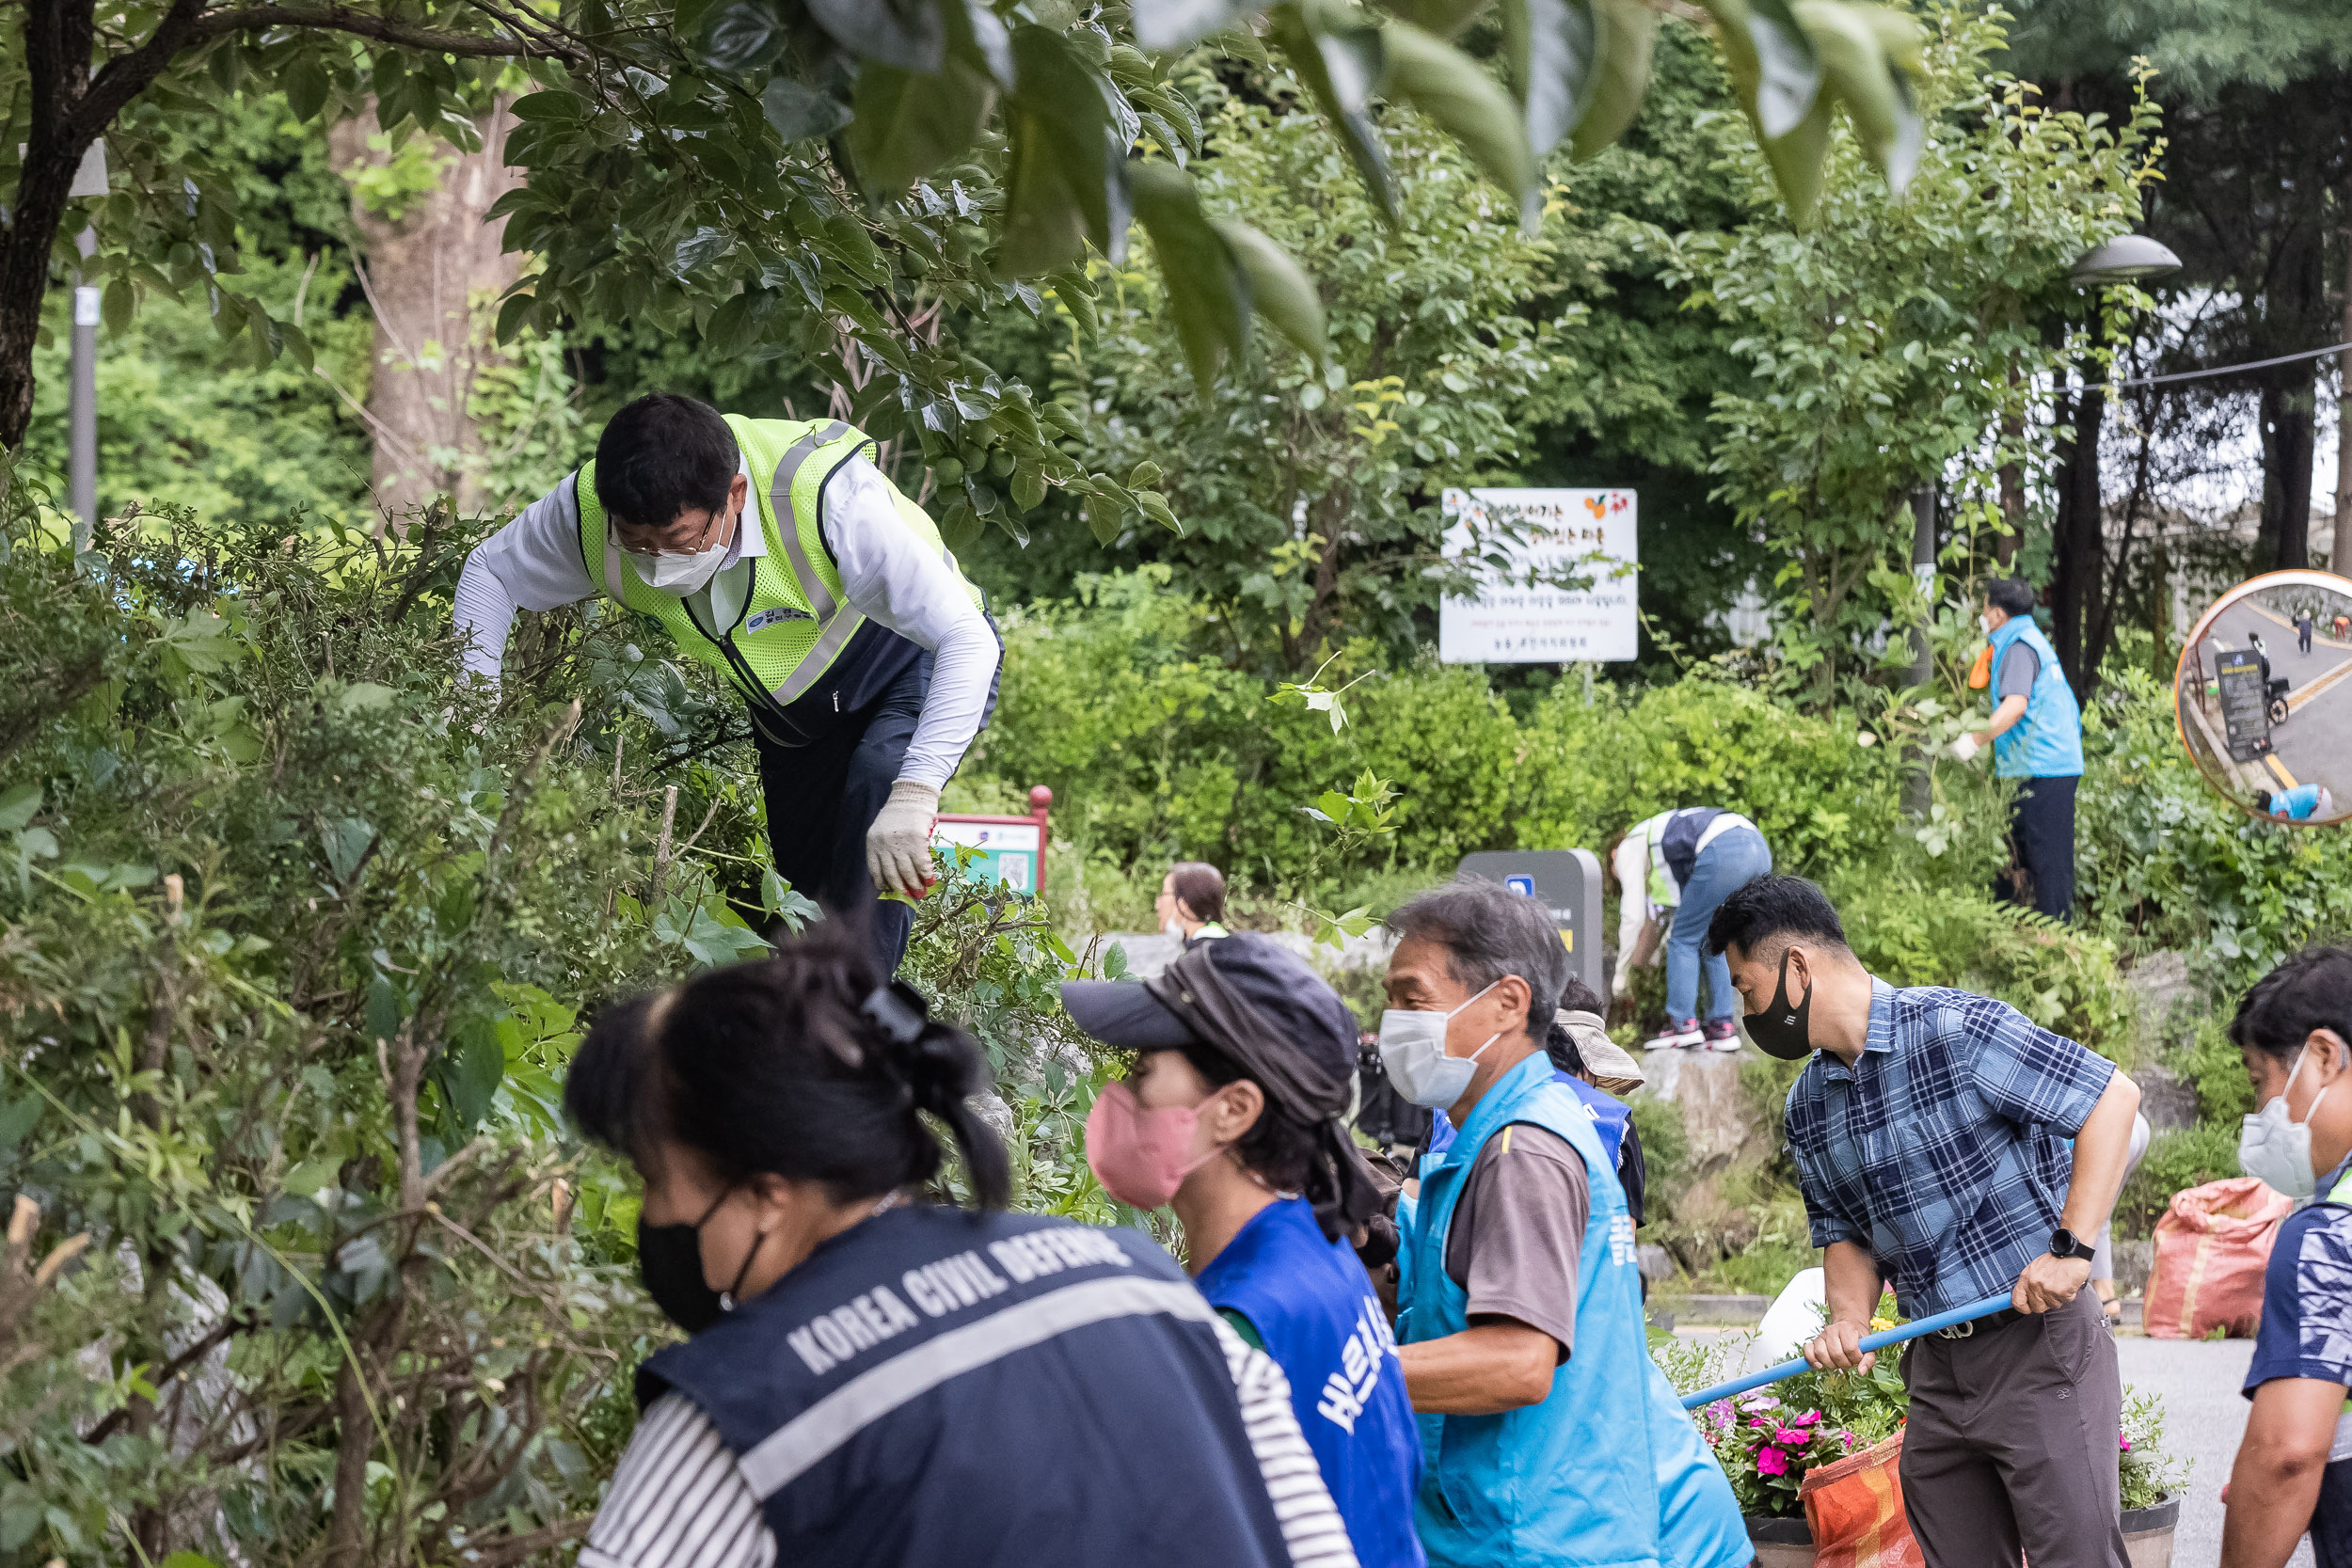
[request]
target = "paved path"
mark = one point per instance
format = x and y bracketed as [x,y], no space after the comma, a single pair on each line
[2204,1417]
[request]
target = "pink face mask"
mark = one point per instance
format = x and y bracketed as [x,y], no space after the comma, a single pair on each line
[1140,1155]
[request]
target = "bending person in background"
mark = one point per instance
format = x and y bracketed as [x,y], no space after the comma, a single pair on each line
[776,553]
[1550,1436]
[1672,871]
[2303,803]
[1243,1065]
[2294,1468]
[1929,1132]
[1191,902]
[877,1379]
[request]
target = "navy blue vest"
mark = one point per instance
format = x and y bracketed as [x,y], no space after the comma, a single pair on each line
[1679,841]
[934,1387]
[1314,1307]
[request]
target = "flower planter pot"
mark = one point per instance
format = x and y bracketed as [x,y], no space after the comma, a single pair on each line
[1788,1544]
[2147,1538]
[2147,1533]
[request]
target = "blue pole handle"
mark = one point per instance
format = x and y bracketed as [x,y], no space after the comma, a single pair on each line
[1912,1330]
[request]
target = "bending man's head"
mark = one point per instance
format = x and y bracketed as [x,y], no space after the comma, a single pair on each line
[2006,599]
[669,476]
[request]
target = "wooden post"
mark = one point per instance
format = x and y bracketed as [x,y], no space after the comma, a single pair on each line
[1041,802]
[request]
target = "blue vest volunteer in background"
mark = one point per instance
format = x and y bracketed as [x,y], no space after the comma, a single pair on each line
[2036,734]
[1244,1064]
[875,1383]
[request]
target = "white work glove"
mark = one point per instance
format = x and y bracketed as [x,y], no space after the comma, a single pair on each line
[898,844]
[1965,748]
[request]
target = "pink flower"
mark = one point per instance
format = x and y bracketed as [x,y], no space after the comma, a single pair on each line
[1771,1462]
[1792,1437]
[1808,1419]
[2124,1441]
[1759,1401]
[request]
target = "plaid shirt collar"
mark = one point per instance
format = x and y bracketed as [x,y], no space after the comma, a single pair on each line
[1878,1042]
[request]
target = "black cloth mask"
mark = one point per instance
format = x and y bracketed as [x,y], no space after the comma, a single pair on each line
[1781,1030]
[670,1263]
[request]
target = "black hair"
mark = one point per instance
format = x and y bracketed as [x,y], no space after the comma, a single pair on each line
[1784,907]
[1290,1155]
[2261,800]
[1201,888]
[2310,992]
[1488,931]
[2010,596]
[803,1065]
[1578,997]
[661,455]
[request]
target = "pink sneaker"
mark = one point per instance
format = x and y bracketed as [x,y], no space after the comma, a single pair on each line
[1675,1035]
[1722,1034]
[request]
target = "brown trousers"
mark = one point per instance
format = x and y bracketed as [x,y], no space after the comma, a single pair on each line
[2011,1443]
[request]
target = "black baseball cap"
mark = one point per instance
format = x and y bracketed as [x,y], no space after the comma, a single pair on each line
[1294,1000]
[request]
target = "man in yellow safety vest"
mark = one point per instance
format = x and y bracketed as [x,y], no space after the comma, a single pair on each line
[776,553]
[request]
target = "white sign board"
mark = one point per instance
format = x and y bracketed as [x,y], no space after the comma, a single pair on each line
[1588,532]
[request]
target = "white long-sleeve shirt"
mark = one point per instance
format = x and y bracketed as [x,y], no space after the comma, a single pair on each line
[887,572]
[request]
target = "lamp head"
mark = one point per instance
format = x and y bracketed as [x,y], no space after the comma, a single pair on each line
[2126,259]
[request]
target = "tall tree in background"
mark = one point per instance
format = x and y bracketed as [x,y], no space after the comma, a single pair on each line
[433,269]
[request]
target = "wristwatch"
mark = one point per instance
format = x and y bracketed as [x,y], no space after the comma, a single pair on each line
[2065,1244]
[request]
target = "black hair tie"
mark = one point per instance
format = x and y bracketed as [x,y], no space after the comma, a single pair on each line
[927,1055]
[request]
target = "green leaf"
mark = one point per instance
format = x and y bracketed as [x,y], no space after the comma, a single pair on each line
[1069,177]
[519,311]
[1279,288]
[554,108]
[363,697]
[18,806]
[742,35]
[304,85]
[471,1071]
[1466,104]
[1857,70]
[1340,65]
[18,1119]
[905,35]
[345,839]
[1207,290]
[203,643]
[1800,162]
[115,306]
[908,126]
[1772,61]
[1445,18]
[800,112]
[1180,24]
[1629,33]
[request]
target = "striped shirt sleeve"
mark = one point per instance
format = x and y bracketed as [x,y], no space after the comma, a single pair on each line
[1311,1526]
[678,1500]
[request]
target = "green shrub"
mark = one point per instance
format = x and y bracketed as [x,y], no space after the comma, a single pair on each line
[2177,1159]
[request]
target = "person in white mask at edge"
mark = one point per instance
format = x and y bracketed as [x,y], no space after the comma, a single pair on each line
[1547,1432]
[2294,1468]
[775,552]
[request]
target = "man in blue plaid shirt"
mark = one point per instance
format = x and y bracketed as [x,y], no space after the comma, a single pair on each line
[1932,1133]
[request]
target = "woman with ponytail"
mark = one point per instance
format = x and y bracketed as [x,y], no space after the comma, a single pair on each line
[1244,1063]
[875,1379]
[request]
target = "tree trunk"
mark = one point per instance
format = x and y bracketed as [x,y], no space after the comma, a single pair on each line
[427,273]
[2290,407]
[2340,543]
[2080,556]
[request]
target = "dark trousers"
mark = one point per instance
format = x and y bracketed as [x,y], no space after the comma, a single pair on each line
[2042,837]
[2011,1443]
[822,796]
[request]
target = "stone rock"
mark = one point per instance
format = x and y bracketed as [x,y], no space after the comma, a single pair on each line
[2164,1100]
[2159,980]
[993,1110]
[2134,1262]
[1717,1118]
[1653,1262]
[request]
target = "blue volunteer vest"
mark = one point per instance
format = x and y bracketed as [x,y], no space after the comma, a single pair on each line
[1314,1307]
[934,1387]
[2047,743]
[1608,1114]
[1608,1470]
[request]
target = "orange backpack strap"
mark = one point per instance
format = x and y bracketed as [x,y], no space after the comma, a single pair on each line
[1980,672]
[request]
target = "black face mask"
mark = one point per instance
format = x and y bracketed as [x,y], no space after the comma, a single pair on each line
[670,1263]
[1781,1030]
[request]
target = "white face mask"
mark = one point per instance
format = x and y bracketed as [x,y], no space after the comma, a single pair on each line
[2278,1149]
[1173,927]
[1986,621]
[673,573]
[1412,1053]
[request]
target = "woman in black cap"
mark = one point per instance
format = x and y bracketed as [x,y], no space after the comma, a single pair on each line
[879,1381]
[1244,1064]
